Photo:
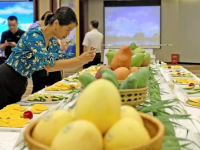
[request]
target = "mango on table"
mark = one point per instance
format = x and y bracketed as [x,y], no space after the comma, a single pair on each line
[39,108]
[15,123]
[60,86]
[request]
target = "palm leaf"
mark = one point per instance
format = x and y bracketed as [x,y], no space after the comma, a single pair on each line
[158,107]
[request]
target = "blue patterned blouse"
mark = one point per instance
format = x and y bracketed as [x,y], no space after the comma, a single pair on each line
[31,54]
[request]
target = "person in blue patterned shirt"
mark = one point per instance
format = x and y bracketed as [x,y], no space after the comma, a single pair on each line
[37,49]
[42,78]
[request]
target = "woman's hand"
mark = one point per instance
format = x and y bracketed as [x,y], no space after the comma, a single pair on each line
[87,56]
[64,45]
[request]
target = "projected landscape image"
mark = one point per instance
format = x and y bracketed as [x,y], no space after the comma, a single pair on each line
[22,10]
[124,25]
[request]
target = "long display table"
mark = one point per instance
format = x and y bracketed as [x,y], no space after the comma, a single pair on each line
[14,139]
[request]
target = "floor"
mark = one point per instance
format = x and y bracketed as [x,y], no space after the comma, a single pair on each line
[195,69]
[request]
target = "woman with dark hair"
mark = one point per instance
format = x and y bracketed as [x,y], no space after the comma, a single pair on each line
[37,49]
[42,78]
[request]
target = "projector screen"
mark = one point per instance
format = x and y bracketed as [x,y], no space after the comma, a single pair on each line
[22,10]
[127,24]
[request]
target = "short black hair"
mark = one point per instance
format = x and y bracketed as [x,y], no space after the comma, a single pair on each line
[65,16]
[11,18]
[95,23]
[44,15]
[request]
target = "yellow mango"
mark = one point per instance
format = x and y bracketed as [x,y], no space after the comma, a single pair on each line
[13,105]
[51,124]
[17,120]
[2,124]
[194,104]
[15,117]
[42,108]
[101,108]
[5,120]
[7,109]
[21,108]
[4,115]
[35,111]
[16,125]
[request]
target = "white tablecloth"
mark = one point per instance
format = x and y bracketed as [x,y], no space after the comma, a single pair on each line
[14,140]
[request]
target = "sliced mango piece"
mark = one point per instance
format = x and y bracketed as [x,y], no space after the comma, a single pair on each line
[2,124]
[194,104]
[16,125]
[21,108]
[35,111]
[15,117]
[13,105]
[4,115]
[7,109]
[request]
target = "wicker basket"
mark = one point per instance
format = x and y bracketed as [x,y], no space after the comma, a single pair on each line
[133,97]
[153,125]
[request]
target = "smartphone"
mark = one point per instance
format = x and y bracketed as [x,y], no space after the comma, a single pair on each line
[9,40]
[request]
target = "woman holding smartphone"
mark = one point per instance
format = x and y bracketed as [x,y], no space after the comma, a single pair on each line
[42,78]
[37,49]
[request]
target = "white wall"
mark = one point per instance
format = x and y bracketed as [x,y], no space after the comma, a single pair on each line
[180,26]
[189,30]
[44,6]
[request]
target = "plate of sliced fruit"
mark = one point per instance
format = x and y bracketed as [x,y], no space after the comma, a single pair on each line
[61,88]
[192,102]
[191,90]
[81,72]
[15,117]
[168,67]
[45,98]
[93,68]
[185,81]
[181,74]
[72,79]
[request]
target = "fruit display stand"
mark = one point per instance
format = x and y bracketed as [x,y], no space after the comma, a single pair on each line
[168,93]
[154,127]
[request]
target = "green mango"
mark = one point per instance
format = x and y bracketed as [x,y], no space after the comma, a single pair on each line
[109,71]
[86,79]
[110,54]
[146,60]
[110,78]
[129,83]
[137,59]
[142,77]
[138,50]
[132,53]
[133,46]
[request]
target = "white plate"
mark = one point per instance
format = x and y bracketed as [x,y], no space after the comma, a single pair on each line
[59,92]
[189,95]
[55,92]
[181,77]
[25,100]
[69,82]
[11,129]
[185,83]
[186,104]
[172,69]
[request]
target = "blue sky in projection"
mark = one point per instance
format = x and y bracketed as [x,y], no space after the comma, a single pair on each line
[140,24]
[22,10]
